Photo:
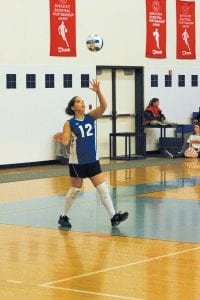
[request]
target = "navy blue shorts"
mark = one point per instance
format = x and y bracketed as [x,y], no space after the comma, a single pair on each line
[86,170]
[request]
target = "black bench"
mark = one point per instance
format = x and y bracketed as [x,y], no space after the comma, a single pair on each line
[163,130]
[127,139]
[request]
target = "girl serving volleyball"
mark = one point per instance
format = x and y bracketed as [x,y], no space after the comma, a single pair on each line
[79,133]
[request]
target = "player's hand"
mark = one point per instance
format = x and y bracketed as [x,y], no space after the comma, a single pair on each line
[94,85]
[58,137]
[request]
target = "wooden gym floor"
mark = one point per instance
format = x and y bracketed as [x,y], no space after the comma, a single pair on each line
[154,255]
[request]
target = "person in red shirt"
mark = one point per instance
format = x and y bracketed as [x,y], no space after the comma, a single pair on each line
[153,114]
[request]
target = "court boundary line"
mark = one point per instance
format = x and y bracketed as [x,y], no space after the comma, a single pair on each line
[14,281]
[93,293]
[48,284]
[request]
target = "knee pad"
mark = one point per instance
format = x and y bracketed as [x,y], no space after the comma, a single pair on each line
[73,192]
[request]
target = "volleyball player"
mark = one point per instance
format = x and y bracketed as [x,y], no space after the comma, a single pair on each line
[79,132]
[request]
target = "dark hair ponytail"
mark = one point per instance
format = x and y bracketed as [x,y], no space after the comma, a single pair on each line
[68,109]
[152,101]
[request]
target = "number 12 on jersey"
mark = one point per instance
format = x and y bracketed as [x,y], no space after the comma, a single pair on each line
[86,130]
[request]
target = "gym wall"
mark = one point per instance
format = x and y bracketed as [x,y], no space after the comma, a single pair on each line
[24,31]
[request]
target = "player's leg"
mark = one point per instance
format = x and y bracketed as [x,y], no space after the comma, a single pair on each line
[72,194]
[101,186]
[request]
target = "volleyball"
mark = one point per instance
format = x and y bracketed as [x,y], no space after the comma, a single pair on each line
[94,42]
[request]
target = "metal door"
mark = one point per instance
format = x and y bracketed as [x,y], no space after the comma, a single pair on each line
[118,86]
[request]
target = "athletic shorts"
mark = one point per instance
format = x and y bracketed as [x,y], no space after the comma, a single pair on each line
[86,170]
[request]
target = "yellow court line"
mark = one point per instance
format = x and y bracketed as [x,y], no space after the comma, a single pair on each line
[93,293]
[14,281]
[47,284]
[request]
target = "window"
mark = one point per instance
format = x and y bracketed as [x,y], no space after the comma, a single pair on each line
[154,80]
[11,81]
[181,80]
[168,80]
[49,81]
[67,80]
[85,80]
[30,81]
[194,80]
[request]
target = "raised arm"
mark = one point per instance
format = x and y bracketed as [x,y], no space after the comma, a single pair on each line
[63,137]
[98,112]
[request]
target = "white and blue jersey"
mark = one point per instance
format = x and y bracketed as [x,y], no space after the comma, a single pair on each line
[82,146]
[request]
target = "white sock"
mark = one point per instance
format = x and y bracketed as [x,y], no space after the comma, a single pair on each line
[70,197]
[105,198]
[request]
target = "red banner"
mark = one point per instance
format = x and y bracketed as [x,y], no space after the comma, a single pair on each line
[185,30]
[156,28]
[63,28]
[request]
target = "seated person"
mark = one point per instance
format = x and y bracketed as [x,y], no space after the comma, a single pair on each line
[191,145]
[197,118]
[194,142]
[179,154]
[153,114]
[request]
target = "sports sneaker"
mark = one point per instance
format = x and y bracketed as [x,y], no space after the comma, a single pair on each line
[168,154]
[118,218]
[64,221]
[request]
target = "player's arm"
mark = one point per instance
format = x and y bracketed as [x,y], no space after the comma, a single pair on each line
[98,112]
[63,137]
